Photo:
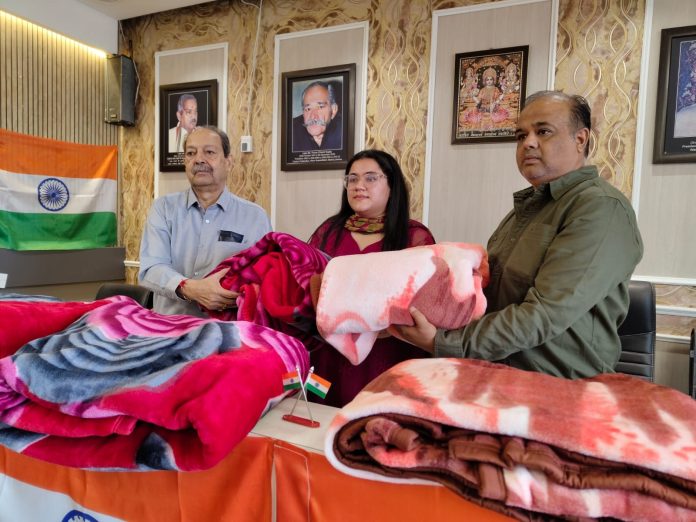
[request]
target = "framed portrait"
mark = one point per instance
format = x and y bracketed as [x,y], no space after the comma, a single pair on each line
[183,106]
[675,121]
[489,91]
[317,118]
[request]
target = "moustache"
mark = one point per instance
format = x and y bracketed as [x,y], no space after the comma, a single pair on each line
[321,122]
[201,168]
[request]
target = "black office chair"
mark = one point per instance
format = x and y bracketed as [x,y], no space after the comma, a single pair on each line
[692,364]
[141,294]
[638,331]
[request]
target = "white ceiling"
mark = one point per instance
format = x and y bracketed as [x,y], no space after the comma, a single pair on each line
[122,9]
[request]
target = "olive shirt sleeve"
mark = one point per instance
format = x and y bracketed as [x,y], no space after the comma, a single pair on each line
[595,249]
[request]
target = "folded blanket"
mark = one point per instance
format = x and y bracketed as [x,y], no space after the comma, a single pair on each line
[126,388]
[362,294]
[24,318]
[523,443]
[273,278]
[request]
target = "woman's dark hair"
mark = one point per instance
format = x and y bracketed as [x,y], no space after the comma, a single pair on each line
[396,215]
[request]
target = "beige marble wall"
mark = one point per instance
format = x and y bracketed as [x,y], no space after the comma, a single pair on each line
[598,55]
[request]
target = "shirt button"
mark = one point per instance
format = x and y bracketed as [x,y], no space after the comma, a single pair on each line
[207,221]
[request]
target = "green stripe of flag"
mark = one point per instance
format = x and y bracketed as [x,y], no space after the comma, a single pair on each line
[30,231]
[292,386]
[316,390]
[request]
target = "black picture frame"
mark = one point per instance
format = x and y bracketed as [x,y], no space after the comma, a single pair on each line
[675,119]
[205,93]
[299,149]
[488,113]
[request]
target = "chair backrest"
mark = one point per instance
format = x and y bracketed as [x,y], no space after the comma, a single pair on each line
[141,294]
[692,364]
[638,331]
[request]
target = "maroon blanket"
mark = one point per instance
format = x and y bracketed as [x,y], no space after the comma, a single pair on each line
[273,278]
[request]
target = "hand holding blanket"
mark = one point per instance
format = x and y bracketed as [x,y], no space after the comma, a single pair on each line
[273,278]
[525,443]
[361,295]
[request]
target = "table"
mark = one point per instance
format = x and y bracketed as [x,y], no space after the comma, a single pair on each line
[278,472]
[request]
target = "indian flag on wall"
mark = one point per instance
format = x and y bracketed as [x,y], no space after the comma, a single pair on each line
[56,195]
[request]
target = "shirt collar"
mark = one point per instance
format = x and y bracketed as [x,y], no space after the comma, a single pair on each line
[223,201]
[557,187]
[561,185]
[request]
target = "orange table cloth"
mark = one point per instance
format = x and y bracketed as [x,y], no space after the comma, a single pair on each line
[277,455]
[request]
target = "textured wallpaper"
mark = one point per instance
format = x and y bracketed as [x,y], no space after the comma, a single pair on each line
[598,55]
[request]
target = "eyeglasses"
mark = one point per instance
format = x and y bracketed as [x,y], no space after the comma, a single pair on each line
[369,179]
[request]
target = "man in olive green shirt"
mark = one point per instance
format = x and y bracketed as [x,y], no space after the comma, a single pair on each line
[560,260]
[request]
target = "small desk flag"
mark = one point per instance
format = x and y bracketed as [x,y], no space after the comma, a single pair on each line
[317,385]
[291,381]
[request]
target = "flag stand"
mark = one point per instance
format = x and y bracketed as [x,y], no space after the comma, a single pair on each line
[301,420]
[289,417]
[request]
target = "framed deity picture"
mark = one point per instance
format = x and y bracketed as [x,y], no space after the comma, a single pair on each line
[317,118]
[183,106]
[489,91]
[675,121]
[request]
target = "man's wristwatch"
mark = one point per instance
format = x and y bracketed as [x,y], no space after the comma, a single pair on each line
[179,290]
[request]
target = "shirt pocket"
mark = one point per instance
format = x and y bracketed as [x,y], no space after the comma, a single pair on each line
[528,255]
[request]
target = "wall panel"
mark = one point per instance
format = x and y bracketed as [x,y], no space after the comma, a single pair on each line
[304,199]
[46,84]
[471,185]
[189,65]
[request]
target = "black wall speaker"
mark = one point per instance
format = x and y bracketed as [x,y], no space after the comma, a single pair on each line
[120,90]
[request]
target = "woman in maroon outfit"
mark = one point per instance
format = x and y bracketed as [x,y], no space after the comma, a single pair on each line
[374,217]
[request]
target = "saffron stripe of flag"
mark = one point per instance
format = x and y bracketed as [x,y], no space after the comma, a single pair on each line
[317,385]
[291,381]
[56,195]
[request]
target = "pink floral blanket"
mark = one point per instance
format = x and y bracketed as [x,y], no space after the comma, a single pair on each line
[361,295]
[123,387]
[529,445]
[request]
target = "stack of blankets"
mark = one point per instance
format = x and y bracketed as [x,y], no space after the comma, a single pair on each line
[529,445]
[111,385]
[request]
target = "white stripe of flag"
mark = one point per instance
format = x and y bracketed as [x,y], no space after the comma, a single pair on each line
[291,381]
[19,193]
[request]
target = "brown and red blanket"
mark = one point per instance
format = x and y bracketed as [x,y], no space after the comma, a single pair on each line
[526,444]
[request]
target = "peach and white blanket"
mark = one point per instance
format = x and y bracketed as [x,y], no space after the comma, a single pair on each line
[529,445]
[362,294]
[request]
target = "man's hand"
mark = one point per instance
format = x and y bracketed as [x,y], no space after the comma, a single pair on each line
[421,334]
[209,293]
